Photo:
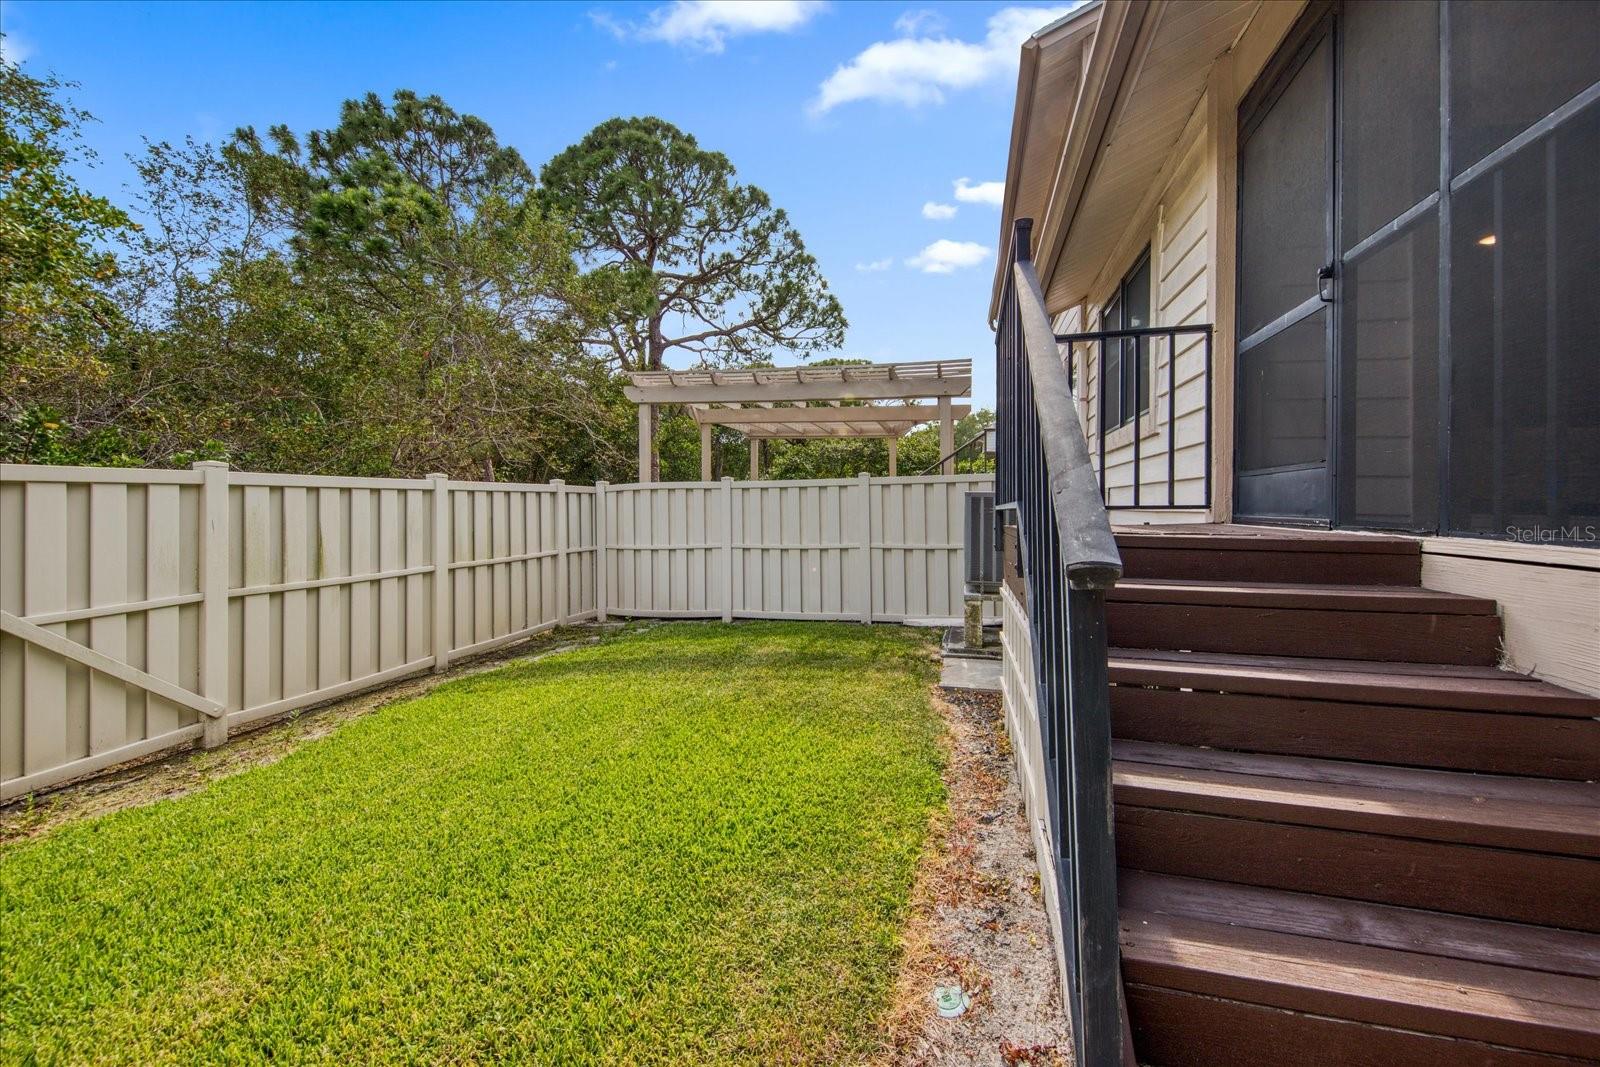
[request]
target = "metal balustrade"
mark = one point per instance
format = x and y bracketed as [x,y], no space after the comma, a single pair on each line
[1047,486]
[1139,344]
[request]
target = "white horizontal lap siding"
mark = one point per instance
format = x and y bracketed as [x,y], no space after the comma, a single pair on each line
[327,586]
[1179,249]
[1549,598]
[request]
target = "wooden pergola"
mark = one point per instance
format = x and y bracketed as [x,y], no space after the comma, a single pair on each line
[882,400]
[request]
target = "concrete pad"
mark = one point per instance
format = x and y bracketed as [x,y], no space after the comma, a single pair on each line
[982,675]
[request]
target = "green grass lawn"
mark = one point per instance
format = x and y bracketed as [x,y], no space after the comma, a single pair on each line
[693,843]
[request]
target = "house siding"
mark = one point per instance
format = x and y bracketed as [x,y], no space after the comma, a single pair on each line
[1549,596]
[1178,236]
[1549,600]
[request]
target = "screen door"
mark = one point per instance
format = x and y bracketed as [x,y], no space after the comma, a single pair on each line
[1286,291]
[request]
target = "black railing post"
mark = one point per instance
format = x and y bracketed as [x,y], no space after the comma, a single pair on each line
[1138,407]
[1208,419]
[1172,418]
[1093,858]
[1100,419]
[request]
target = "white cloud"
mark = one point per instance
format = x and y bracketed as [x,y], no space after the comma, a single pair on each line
[919,69]
[706,25]
[935,210]
[969,192]
[920,21]
[875,266]
[946,257]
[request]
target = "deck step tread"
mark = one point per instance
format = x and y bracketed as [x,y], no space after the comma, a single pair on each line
[1434,685]
[1394,734]
[1345,834]
[1461,785]
[1389,598]
[1531,948]
[1255,554]
[1529,825]
[1386,987]
[1261,538]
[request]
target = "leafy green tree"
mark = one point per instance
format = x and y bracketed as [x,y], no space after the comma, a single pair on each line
[419,217]
[235,355]
[56,315]
[391,194]
[919,449]
[387,297]
[847,457]
[696,262]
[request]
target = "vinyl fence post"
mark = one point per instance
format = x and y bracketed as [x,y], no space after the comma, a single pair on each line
[561,550]
[600,534]
[214,628]
[727,549]
[442,551]
[864,529]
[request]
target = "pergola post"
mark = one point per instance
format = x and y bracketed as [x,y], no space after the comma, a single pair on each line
[947,437]
[705,452]
[755,459]
[645,442]
[894,456]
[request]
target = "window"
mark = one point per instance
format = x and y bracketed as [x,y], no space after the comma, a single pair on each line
[1127,359]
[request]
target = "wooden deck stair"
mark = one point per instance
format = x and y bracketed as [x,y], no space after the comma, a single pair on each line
[1345,836]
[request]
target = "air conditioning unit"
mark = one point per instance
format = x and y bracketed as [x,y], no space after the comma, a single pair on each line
[982,547]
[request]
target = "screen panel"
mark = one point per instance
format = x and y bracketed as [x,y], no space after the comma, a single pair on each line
[1389,112]
[1389,341]
[1284,179]
[1525,339]
[1283,397]
[1511,64]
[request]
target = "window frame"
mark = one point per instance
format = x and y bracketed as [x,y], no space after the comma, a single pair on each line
[1116,365]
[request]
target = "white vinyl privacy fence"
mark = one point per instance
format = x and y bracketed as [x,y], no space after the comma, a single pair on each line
[141,610]
[871,549]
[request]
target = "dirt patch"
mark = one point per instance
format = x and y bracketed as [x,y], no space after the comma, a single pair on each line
[173,774]
[977,918]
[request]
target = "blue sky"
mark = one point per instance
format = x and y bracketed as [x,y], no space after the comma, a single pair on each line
[858,118]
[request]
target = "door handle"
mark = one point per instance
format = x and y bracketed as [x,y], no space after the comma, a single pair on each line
[1325,284]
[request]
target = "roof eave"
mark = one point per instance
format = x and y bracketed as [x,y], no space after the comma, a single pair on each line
[1069,31]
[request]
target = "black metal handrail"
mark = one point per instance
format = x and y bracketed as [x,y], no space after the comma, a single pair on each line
[1069,559]
[1099,338]
[952,454]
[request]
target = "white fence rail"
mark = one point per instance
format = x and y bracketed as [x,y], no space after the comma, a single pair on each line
[141,610]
